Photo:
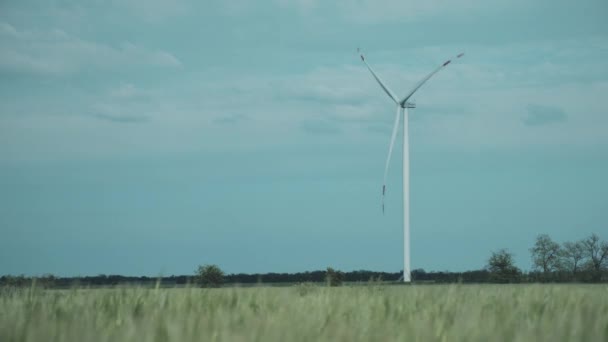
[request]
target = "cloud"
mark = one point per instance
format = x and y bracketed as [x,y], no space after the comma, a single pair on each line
[155,10]
[542,115]
[128,91]
[323,92]
[122,118]
[230,119]
[57,52]
[120,112]
[373,11]
[469,105]
[125,103]
[8,30]
[319,127]
[377,128]
[300,5]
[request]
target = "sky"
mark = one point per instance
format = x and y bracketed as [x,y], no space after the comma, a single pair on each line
[148,137]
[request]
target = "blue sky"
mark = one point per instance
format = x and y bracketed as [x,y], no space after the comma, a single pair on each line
[147,137]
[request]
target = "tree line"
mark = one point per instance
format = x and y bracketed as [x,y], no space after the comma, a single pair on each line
[585,260]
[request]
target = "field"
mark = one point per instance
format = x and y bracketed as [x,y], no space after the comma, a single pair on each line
[308,313]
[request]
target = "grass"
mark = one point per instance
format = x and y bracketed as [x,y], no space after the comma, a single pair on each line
[309,313]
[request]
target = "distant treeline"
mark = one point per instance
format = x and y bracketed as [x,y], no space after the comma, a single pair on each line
[581,261]
[419,275]
[240,278]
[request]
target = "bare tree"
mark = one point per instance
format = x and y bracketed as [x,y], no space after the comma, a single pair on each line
[573,253]
[597,252]
[546,254]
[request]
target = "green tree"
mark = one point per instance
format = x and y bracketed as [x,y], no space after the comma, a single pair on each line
[210,276]
[546,255]
[334,277]
[502,267]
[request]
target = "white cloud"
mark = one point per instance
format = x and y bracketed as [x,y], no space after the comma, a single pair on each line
[394,10]
[125,91]
[543,115]
[474,104]
[120,112]
[154,10]
[126,103]
[301,5]
[57,52]
[490,91]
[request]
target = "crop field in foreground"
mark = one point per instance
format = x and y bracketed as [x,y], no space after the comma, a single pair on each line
[309,313]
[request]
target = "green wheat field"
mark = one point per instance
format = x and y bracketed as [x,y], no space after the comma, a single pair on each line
[308,313]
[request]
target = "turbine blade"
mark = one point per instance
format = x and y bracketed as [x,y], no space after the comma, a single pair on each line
[407,97]
[390,152]
[384,87]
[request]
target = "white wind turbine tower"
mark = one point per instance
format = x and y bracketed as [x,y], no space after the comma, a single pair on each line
[402,106]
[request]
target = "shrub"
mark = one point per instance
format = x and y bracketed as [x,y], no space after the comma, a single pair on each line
[334,277]
[210,276]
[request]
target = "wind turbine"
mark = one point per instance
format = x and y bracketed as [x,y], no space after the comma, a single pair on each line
[402,109]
